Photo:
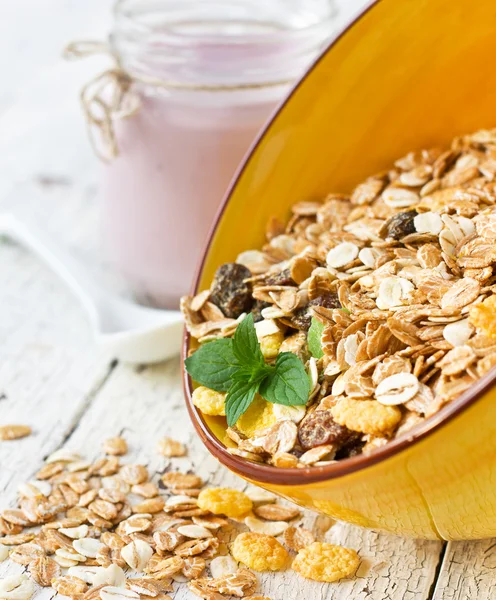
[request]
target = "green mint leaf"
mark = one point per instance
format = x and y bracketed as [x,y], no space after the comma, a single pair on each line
[214,365]
[245,344]
[288,384]
[254,374]
[239,398]
[314,338]
[345,310]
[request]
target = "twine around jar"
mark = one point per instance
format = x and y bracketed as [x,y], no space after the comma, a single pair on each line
[110,95]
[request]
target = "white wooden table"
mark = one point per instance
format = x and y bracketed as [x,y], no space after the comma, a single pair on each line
[53,378]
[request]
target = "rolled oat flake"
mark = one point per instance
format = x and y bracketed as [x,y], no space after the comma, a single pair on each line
[397,389]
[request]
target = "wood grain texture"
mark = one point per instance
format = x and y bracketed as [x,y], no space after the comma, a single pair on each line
[54,378]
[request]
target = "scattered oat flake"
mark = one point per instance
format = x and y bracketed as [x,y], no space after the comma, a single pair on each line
[170,447]
[296,538]
[116,446]
[276,512]
[461,293]
[14,432]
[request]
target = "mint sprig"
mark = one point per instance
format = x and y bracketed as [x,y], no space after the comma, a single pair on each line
[237,366]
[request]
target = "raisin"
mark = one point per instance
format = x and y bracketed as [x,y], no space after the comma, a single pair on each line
[399,225]
[319,428]
[230,292]
[302,319]
[353,447]
[281,278]
[256,311]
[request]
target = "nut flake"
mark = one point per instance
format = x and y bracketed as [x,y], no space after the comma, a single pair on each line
[393,291]
[428,222]
[342,254]
[272,528]
[326,562]
[458,333]
[397,389]
[137,554]
[117,593]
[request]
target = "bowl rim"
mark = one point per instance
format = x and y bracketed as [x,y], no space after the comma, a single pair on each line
[268,474]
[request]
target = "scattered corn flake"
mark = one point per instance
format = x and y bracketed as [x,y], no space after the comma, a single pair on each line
[366,416]
[225,501]
[209,401]
[326,562]
[259,551]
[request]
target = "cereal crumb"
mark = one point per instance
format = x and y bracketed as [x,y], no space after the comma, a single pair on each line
[225,501]
[169,447]
[209,401]
[326,562]
[366,416]
[259,551]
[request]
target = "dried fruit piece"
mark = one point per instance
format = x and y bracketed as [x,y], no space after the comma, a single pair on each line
[297,538]
[399,225]
[320,428]
[224,501]
[14,432]
[116,446]
[170,447]
[326,562]
[229,290]
[259,552]
[366,416]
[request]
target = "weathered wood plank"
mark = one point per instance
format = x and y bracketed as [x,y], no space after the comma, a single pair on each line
[146,404]
[468,571]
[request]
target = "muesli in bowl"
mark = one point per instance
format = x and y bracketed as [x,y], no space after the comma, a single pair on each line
[358,319]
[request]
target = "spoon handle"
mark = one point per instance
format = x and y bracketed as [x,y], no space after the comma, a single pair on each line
[56,257]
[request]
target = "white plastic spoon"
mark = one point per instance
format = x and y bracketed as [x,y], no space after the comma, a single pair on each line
[131,332]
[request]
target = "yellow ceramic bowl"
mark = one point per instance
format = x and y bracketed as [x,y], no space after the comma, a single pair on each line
[407,74]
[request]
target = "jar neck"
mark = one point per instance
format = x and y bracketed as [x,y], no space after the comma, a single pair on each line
[220,43]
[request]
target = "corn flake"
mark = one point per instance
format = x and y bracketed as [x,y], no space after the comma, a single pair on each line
[482,316]
[259,415]
[270,344]
[259,551]
[225,501]
[326,562]
[209,401]
[366,416]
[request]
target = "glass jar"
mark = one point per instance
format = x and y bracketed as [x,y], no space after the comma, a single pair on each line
[208,74]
